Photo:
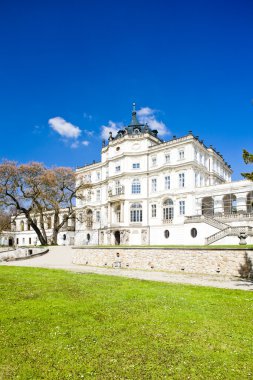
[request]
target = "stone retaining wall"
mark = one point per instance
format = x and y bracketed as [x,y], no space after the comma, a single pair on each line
[22,253]
[215,261]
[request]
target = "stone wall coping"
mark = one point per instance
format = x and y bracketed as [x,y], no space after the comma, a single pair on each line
[90,247]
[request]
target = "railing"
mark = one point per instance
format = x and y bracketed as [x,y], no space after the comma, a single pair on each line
[215,223]
[229,231]
[117,192]
[68,228]
[206,219]
[167,221]
[235,216]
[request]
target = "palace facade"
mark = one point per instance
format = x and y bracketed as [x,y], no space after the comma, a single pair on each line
[145,191]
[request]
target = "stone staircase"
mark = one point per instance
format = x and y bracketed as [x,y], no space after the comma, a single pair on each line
[229,231]
[225,229]
[215,223]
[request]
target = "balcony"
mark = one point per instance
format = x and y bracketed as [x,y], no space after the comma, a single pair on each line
[68,228]
[167,221]
[116,194]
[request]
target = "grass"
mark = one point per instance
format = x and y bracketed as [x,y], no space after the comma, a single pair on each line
[60,325]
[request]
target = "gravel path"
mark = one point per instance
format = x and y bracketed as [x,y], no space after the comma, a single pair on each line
[61,258]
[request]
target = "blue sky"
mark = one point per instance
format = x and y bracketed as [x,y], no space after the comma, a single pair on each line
[67,68]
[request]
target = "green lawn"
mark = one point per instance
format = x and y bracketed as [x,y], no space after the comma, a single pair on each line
[60,325]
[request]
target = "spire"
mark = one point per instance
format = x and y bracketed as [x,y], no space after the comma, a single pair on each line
[134,120]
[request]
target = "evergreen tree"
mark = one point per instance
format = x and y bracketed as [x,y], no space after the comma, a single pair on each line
[248,159]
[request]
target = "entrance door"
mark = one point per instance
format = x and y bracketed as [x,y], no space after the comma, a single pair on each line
[117,237]
[10,242]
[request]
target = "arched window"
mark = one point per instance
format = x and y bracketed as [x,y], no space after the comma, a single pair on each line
[229,203]
[22,225]
[168,210]
[14,226]
[80,218]
[49,222]
[117,213]
[89,218]
[136,186]
[249,202]
[136,212]
[65,218]
[207,206]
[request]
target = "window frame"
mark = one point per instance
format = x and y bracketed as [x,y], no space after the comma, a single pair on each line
[135,165]
[136,186]
[181,177]
[167,182]
[153,210]
[136,213]
[153,185]
[182,207]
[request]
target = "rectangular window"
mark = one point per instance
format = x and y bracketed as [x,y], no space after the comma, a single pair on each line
[167,182]
[153,211]
[181,207]
[181,180]
[87,178]
[181,154]
[136,187]
[118,188]
[136,216]
[167,158]
[154,161]
[117,168]
[97,216]
[17,240]
[98,176]
[153,185]
[23,240]
[196,179]
[98,195]
[30,240]
[136,165]
[118,216]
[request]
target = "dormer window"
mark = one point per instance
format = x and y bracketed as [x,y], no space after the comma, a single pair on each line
[136,131]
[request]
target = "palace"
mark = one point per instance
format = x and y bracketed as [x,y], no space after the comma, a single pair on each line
[145,191]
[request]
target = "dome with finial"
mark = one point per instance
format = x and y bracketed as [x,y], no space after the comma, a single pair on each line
[134,121]
[135,127]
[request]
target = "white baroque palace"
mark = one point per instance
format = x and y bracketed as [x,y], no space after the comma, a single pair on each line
[147,191]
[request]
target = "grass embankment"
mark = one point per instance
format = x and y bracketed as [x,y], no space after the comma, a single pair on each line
[60,325]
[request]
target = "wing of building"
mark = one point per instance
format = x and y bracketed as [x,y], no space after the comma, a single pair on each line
[147,191]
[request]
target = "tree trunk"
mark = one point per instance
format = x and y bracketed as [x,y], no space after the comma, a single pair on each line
[55,228]
[34,226]
[41,238]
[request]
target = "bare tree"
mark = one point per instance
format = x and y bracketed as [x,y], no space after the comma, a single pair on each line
[5,221]
[33,190]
